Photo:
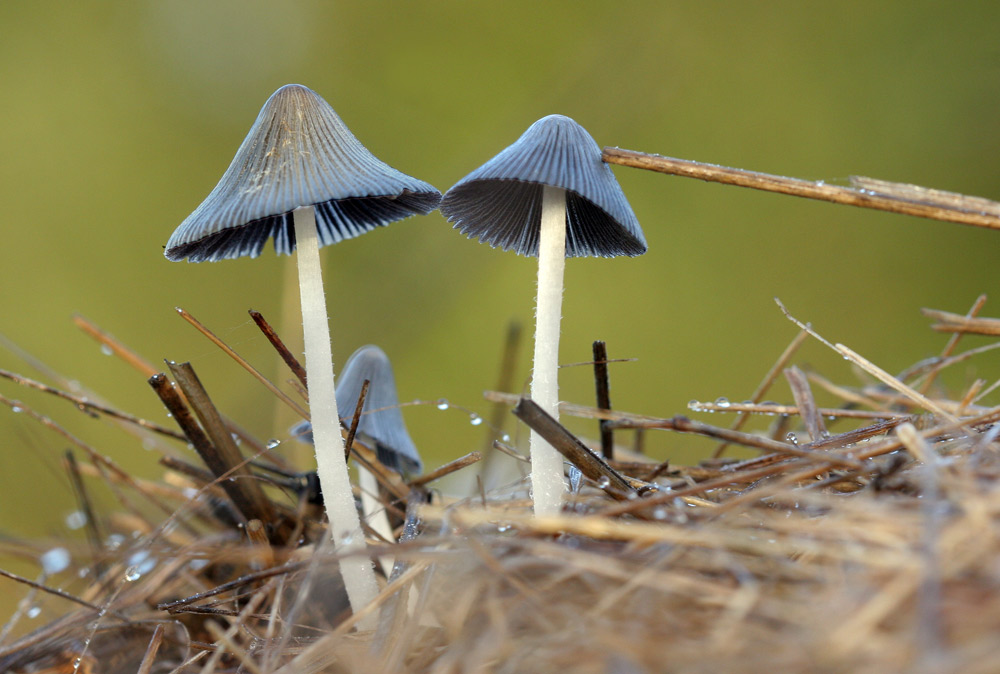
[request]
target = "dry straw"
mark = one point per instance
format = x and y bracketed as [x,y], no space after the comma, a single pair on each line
[867,544]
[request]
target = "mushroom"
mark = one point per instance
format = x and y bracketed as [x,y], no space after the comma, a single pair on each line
[380,426]
[549,195]
[302,179]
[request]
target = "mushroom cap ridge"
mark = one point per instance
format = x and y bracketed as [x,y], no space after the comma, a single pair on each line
[500,203]
[297,153]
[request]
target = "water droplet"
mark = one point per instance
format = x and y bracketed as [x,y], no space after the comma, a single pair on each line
[272,443]
[443,404]
[722,402]
[114,541]
[75,520]
[603,482]
[475,419]
[106,350]
[55,560]
[502,527]
[694,404]
[792,438]
[660,513]
[505,437]
[132,574]
[575,478]
[16,409]
[33,612]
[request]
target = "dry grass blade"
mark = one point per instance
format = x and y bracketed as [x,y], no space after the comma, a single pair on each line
[198,325]
[876,194]
[577,453]
[949,322]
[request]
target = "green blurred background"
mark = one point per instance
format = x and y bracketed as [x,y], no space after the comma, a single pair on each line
[118,118]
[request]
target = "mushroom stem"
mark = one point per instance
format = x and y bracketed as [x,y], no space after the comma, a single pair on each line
[546,463]
[345,525]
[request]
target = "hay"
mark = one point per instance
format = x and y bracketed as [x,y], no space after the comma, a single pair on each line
[871,550]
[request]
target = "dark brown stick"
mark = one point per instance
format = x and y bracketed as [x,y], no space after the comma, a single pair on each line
[868,192]
[279,346]
[356,419]
[214,444]
[567,444]
[603,391]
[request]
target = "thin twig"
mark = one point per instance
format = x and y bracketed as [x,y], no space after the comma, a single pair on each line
[293,364]
[868,193]
[603,392]
[446,469]
[567,444]
[200,327]
[765,385]
[949,348]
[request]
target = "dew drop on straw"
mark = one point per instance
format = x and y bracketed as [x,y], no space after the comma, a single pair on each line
[475,419]
[75,520]
[603,482]
[55,560]
[271,444]
[722,402]
[792,438]
[132,574]
[505,437]
[106,350]
[33,612]
[443,404]
[15,409]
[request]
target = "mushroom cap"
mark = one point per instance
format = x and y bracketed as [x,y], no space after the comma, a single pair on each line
[298,153]
[500,203]
[383,425]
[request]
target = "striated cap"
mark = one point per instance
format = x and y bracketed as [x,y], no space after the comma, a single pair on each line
[298,153]
[500,203]
[383,425]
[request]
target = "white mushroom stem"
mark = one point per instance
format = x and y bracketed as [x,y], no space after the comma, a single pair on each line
[546,463]
[345,525]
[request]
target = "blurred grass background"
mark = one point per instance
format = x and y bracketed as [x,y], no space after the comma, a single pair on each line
[118,118]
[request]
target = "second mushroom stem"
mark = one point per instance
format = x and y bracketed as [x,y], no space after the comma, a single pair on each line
[546,463]
[345,525]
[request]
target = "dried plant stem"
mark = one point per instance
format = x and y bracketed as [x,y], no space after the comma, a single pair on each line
[869,193]
[200,327]
[765,385]
[602,391]
[546,463]
[345,525]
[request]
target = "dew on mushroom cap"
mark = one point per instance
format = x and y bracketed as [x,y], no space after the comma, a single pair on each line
[547,195]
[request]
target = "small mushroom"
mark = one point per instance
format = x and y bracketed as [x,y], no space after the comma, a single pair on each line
[380,426]
[547,195]
[303,180]
[381,423]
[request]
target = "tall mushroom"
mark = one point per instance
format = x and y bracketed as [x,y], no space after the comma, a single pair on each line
[547,195]
[301,179]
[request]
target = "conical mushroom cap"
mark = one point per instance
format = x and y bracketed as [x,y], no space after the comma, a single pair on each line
[500,203]
[381,421]
[298,153]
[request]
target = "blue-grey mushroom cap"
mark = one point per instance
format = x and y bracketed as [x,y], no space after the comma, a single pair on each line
[298,153]
[381,422]
[500,203]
